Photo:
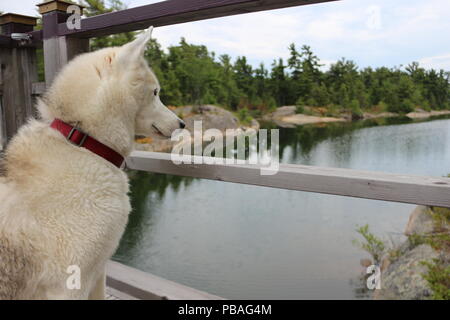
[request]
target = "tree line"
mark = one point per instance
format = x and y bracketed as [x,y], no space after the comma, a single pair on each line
[191,74]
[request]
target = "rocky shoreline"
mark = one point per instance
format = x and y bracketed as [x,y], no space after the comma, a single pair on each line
[287,117]
[421,114]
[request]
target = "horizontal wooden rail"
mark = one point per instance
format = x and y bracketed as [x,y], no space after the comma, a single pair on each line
[157,14]
[432,191]
[172,12]
[144,286]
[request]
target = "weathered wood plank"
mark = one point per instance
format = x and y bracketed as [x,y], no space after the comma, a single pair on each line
[2,114]
[433,191]
[2,126]
[18,72]
[29,75]
[58,51]
[145,286]
[172,12]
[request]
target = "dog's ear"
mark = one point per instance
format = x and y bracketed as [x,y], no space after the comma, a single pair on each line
[136,48]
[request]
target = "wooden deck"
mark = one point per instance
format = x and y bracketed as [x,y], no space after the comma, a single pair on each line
[126,283]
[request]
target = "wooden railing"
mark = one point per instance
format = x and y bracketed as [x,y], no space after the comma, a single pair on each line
[18,79]
[432,191]
[144,286]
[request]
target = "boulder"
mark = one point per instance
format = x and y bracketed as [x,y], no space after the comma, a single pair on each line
[402,279]
[212,117]
[280,112]
[420,222]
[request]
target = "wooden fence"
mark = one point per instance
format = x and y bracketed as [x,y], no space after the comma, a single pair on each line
[19,86]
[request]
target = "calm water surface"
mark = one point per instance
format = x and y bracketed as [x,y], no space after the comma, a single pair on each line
[243,242]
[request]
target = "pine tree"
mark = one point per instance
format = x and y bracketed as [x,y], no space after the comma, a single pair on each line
[96,7]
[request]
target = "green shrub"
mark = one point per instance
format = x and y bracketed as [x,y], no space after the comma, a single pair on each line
[438,278]
[383,107]
[355,109]
[312,102]
[332,110]
[244,116]
[271,104]
[416,240]
[299,109]
[406,106]
[372,244]
[403,107]
[300,105]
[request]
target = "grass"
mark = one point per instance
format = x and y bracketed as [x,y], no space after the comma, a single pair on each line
[441,218]
[438,278]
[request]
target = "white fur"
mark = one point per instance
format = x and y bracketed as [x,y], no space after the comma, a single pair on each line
[62,205]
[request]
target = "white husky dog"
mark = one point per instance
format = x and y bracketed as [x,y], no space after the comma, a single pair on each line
[64,206]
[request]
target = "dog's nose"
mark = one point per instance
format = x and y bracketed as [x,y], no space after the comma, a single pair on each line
[182,124]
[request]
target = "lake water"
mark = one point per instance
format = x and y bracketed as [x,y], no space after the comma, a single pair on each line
[250,242]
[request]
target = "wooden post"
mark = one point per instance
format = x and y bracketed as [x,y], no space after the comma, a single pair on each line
[18,70]
[58,50]
[2,112]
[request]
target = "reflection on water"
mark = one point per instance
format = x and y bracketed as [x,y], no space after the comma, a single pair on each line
[147,191]
[242,241]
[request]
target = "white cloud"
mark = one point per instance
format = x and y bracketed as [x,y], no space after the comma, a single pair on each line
[26,7]
[262,36]
[373,17]
[436,62]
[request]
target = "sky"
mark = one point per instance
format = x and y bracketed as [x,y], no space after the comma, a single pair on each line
[370,32]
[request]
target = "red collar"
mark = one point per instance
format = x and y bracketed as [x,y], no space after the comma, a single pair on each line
[81,139]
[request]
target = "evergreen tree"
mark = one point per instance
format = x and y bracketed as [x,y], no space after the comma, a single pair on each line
[96,7]
[278,81]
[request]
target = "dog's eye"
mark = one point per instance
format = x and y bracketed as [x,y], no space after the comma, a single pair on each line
[155,92]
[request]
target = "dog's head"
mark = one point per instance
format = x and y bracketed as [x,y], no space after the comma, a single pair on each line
[153,116]
[114,86]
